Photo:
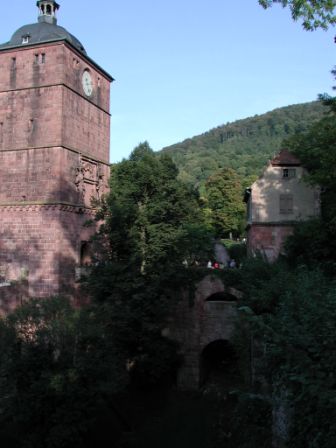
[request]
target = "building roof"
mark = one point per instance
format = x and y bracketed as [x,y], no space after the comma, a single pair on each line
[41,32]
[285,158]
[45,30]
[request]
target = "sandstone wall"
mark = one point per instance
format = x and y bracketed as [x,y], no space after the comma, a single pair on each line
[198,322]
[42,244]
[268,240]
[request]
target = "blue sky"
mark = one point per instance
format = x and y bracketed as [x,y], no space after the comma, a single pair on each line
[183,67]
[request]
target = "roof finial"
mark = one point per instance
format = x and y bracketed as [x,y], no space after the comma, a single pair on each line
[47,11]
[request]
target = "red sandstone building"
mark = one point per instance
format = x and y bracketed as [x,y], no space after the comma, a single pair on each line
[54,150]
[275,202]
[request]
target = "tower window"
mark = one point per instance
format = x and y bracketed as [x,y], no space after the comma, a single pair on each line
[31,125]
[49,10]
[40,58]
[289,173]
[13,63]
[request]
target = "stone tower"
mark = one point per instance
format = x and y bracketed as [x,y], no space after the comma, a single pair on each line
[54,155]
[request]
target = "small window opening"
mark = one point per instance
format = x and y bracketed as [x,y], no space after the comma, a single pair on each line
[49,10]
[42,9]
[31,125]
[25,39]
[289,173]
[13,63]
[36,58]
[43,58]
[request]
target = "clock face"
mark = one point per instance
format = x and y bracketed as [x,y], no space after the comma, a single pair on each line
[87,83]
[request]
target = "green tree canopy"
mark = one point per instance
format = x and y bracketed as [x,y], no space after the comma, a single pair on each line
[316,150]
[314,13]
[150,215]
[224,195]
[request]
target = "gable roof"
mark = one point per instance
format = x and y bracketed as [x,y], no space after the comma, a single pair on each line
[285,158]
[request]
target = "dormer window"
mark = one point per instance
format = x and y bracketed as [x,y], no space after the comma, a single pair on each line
[25,38]
[288,173]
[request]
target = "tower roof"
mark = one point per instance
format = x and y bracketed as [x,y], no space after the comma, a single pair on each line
[285,158]
[45,30]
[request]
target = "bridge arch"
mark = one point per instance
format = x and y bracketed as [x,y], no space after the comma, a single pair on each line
[199,323]
[218,363]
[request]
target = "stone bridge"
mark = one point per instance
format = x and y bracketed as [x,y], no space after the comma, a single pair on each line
[204,329]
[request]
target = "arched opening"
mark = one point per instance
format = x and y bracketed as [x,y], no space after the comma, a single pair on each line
[219,364]
[49,10]
[85,253]
[221,297]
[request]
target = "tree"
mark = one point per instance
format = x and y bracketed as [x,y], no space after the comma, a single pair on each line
[316,150]
[153,234]
[224,194]
[291,316]
[151,216]
[314,13]
[59,371]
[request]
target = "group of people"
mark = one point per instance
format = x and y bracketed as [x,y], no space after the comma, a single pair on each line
[215,265]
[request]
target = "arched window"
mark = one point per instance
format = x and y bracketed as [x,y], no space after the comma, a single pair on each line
[85,253]
[49,10]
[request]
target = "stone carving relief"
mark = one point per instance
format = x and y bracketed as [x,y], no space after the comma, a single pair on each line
[89,180]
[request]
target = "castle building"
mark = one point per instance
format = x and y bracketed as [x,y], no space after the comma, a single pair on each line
[276,201]
[54,155]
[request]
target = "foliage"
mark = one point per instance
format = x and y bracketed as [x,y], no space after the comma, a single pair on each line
[244,145]
[300,343]
[312,244]
[316,149]
[237,252]
[224,193]
[154,232]
[135,308]
[49,355]
[152,218]
[254,414]
[314,13]
[291,312]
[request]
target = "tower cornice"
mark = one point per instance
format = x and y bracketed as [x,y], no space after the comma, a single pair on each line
[90,61]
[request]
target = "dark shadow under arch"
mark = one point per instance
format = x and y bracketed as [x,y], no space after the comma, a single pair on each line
[221,297]
[219,364]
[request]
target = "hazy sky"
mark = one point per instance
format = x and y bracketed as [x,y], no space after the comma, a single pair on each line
[183,67]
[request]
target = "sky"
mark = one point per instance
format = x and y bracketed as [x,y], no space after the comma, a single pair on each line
[183,67]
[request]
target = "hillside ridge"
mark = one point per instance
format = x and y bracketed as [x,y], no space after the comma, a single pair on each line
[244,145]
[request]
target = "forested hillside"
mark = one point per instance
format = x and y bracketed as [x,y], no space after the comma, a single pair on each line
[244,145]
